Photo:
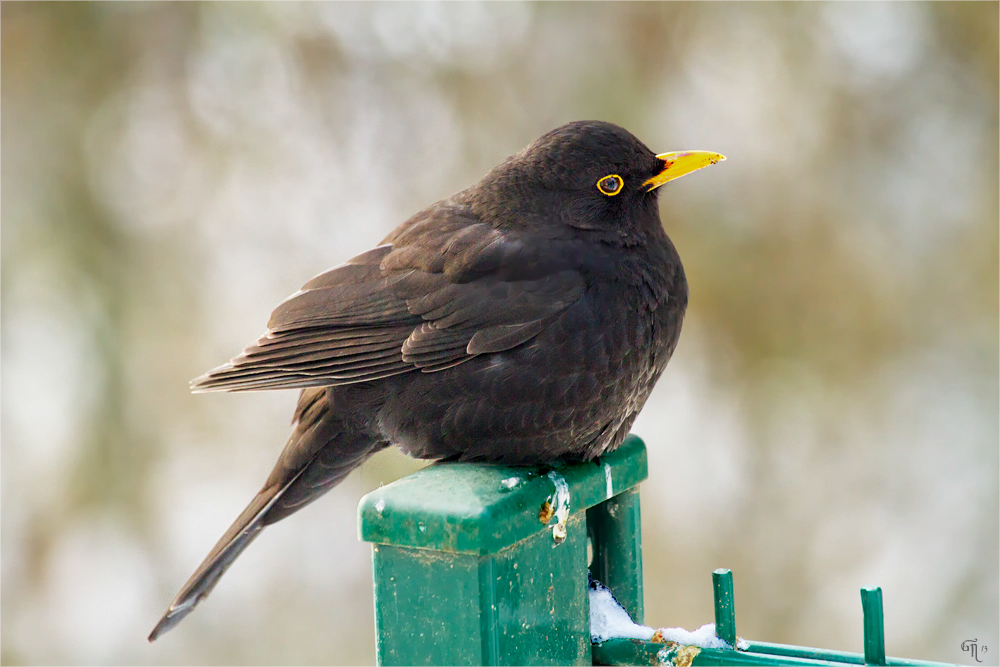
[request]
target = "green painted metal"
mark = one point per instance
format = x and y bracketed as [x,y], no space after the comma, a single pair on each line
[871,603]
[519,606]
[636,652]
[724,657]
[627,652]
[487,564]
[708,656]
[483,508]
[836,657]
[725,613]
[615,528]
[790,651]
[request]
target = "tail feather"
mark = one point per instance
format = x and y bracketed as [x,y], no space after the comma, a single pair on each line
[239,536]
[320,453]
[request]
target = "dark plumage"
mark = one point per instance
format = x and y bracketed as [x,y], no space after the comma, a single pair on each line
[521,321]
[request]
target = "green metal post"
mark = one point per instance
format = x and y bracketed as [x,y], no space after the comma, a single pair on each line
[725,613]
[615,528]
[487,564]
[871,603]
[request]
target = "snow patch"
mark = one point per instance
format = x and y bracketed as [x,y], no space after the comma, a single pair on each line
[609,620]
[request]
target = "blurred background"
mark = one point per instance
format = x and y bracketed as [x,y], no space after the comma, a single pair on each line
[172,171]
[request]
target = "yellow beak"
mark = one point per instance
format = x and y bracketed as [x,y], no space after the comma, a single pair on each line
[680,164]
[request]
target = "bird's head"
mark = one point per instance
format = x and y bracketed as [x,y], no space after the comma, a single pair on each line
[586,175]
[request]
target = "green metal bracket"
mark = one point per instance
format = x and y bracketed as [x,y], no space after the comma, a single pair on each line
[616,538]
[487,564]
[725,614]
[636,652]
[871,603]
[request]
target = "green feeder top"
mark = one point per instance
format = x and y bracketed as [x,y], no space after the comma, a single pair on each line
[483,508]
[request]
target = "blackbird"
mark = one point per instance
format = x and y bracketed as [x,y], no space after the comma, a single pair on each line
[521,321]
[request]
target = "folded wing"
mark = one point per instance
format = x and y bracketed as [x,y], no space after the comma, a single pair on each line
[443,289]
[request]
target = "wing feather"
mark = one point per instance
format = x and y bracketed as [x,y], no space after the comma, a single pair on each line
[444,289]
[503,337]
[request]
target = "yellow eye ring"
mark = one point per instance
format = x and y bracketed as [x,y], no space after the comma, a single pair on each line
[611,185]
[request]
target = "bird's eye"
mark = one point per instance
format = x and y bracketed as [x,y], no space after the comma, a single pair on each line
[611,184]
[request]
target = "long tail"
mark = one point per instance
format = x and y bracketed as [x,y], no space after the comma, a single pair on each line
[320,453]
[237,538]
